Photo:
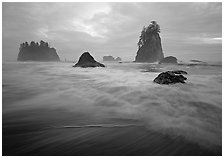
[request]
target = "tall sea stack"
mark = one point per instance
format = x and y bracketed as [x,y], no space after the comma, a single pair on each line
[37,52]
[150,48]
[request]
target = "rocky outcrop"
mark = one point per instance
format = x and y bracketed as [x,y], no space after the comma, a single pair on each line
[118,59]
[170,77]
[86,60]
[37,52]
[151,51]
[169,59]
[111,58]
[108,58]
[150,48]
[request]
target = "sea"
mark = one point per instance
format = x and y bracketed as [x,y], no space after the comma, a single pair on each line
[52,108]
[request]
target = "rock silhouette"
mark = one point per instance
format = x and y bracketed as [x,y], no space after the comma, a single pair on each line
[169,59]
[170,77]
[108,58]
[37,52]
[86,60]
[118,59]
[150,48]
[111,58]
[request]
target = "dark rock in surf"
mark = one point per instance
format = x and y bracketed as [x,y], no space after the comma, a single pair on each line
[37,52]
[86,60]
[168,60]
[170,77]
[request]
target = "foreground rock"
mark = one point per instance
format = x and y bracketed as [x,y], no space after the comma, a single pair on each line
[170,77]
[86,60]
[169,59]
[150,48]
[37,52]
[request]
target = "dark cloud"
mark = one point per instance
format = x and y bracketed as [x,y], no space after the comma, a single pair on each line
[188,30]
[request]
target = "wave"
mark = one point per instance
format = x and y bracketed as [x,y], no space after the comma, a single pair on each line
[119,96]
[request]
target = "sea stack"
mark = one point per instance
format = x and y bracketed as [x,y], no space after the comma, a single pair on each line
[108,58]
[37,52]
[149,45]
[86,60]
[118,59]
[111,58]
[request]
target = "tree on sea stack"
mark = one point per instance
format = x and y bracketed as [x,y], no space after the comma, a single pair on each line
[37,52]
[149,44]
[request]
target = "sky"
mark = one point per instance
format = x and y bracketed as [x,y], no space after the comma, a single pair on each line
[188,30]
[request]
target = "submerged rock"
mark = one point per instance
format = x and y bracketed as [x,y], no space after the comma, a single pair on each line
[169,59]
[37,52]
[86,60]
[170,77]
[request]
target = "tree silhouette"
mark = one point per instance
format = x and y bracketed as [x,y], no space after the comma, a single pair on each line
[32,44]
[26,44]
[37,52]
[42,43]
[147,33]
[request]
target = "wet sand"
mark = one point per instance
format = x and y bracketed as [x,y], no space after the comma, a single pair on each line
[44,138]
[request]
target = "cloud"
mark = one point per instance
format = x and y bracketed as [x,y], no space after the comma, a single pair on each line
[113,28]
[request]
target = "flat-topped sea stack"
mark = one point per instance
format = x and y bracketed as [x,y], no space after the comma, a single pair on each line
[111,58]
[168,60]
[108,58]
[37,52]
[86,60]
[149,45]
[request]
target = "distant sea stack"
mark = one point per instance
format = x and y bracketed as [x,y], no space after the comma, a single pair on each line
[108,58]
[111,58]
[86,60]
[168,60]
[37,52]
[118,59]
[149,45]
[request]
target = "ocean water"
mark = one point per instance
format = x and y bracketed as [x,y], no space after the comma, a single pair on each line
[52,108]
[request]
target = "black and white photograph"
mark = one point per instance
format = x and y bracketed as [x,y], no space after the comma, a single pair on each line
[112,78]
